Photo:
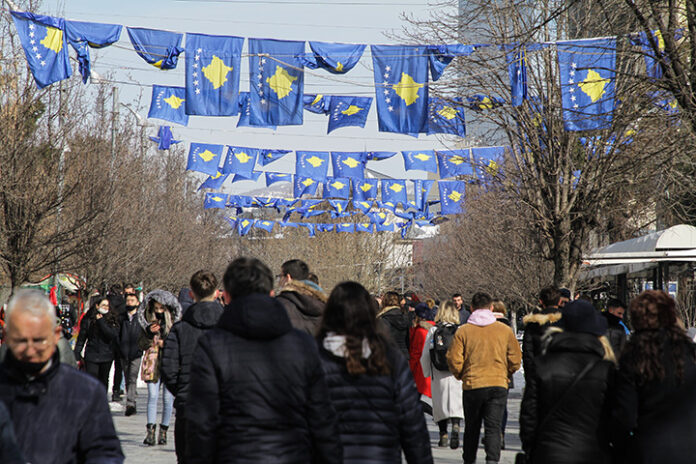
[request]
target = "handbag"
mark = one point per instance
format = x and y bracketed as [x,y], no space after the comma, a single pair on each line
[148,369]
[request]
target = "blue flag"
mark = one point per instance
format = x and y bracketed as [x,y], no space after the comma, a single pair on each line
[244,226]
[337,58]
[83,35]
[213,63]
[389,205]
[365,227]
[214,182]
[337,187]
[242,177]
[440,56]
[381,227]
[377,217]
[264,225]
[240,160]
[478,102]
[363,206]
[452,196]
[288,224]
[484,155]
[423,160]
[309,227]
[401,87]
[168,104]
[273,177]
[379,155]
[45,46]
[421,189]
[446,117]
[310,208]
[347,228]
[348,111]
[159,48]
[267,156]
[339,208]
[204,157]
[242,201]
[304,186]
[215,200]
[245,112]
[516,57]
[365,189]
[264,202]
[314,164]
[652,64]
[394,191]
[349,164]
[325,227]
[588,77]
[454,163]
[318,104]
[232,222]
[276,81]
[165,138]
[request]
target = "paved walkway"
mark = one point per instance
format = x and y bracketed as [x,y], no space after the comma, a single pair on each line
[132,431]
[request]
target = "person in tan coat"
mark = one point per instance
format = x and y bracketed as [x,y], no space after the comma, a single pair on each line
[483,355]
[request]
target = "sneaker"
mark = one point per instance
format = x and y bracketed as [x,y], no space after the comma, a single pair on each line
[443,440]
[130,410]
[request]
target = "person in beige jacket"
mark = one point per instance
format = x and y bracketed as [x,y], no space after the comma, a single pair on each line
[483,355]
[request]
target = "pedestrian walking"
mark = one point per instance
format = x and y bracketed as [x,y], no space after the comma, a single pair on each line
[500,312]
[180,344]
[536,324]
[422,323]
[303,299]
[370,384]
[396,321]
[156,315]
[563,418]
[461,308]
[258,391]
[654,408]
[130,333]
[117,305]
[59,414]
[445,387]
[9,449]
[617,332]
[98,330]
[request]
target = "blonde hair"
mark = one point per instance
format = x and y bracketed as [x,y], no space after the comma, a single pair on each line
[608,350]
[499,307]
[447,313]
[430,302]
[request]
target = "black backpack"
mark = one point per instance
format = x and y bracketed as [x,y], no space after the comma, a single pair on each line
[442,339]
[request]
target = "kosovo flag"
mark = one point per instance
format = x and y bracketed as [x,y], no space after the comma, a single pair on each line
[309,227]
[378,217]
[440,56]
[347,228]
[244,226]
[215,200]
[401,87]
[165,138]
[337,58]
[276,81]
[365,189]
[274,177]
[384,227]
[264,202]
[167,104]
[652,63]
[454,163]
[159,48]
[82,36]
[337,187]
[446,117]
[348,111]
[379,155]
[294,225]
[394,191]
[451,196]
[45,46]
[421,189]
[314,164]
[242,201]
[214,182]
[516,57]
[264,225]
[339,208]
[240,160]
[325,227]
[304,186]
[242,177]
[348,164]
[363,206]
[204,157]
[365,227]
[487,154]
[423,160]
[310,208]
[388,205]
[318,104]
[267,156]
[588,77]
[213,63]
[480,102]
[245,112]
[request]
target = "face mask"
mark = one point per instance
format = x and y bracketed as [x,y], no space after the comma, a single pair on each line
[102,310]
[160,318]
[30,369]
[131,308]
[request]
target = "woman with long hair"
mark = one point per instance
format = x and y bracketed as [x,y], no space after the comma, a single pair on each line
[395,320]
[370,384]
[445,388]
[654,413]
[98,330]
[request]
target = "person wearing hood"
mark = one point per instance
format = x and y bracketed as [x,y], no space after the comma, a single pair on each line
[563,417]
[370,384]
[536,324]
[422,323]
[258,392]
[303,299]
[129,350]
[396,321]
[483,355]
[180,344]
[98,331]
[156,315]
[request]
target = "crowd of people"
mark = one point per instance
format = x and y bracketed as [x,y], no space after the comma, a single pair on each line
[272,369]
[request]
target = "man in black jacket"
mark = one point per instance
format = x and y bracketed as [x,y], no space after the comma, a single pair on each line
[180,344]
[303,299]
[117,303]
[616,330]
[257,391]
[536,324]
[59,414]
[129,351]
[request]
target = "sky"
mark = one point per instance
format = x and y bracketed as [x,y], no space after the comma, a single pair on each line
[349,21]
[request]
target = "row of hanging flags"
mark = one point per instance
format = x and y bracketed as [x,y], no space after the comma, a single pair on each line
[276,68]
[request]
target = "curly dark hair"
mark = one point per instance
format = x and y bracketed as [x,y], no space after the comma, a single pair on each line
[656,323]
[351,311]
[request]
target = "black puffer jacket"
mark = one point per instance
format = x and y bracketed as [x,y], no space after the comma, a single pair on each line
[129,335]
[304,303]
[99,335]
[258,392]
[378,416]
[397,322]
[615,333]
[576,432]
[535,325]
[180,345]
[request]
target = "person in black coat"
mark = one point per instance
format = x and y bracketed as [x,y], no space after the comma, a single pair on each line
[563,421]
[395,321]
[536,324]
[257,391]
[654,406]
[180,344]
[98,331]
[370,384]
[129,350]
[616,330]
[9,449]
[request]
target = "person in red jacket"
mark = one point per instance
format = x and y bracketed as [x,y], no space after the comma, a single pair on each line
[422,322]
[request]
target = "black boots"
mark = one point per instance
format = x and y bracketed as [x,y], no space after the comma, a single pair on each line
[150,437]
[163,435]
[130,410]
[454,438]
[443,440]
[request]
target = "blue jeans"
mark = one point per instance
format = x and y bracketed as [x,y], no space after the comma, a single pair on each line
[167,403]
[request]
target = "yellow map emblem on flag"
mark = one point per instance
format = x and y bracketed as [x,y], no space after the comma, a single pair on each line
[408,89]
[216,72]
[281,82]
